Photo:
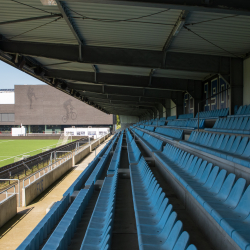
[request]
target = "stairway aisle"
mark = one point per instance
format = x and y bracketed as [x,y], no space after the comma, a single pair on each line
[124,235]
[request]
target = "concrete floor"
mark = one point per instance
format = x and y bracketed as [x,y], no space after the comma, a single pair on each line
[124,232]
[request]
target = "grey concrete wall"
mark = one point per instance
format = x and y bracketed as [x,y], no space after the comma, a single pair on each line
[246,82]
[45,105]
[82,154]
[30,192]
[8,209]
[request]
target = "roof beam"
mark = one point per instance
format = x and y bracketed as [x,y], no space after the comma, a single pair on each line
[95,55]
[66,15]
[129,104]
[177,27]
[114,90]
[216,6]
[30,19]
[132,81]
[123,98]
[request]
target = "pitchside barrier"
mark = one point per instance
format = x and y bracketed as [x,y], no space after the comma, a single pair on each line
[51,173]
[38,182]
[8,206]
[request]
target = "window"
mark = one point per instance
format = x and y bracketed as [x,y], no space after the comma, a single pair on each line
[7,117]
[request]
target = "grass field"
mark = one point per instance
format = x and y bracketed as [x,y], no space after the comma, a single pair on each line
[9,149]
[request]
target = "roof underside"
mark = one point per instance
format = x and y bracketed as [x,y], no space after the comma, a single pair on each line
[123,57]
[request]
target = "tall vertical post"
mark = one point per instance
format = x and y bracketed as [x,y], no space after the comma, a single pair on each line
[236,84]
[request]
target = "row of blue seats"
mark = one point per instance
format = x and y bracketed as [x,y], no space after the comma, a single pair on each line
[213,113]
[226,200]
[149,128]
[63,233]
[153,144]
[134,153]
[45,226]
[186,116]
[239,125]
[231,148]
[35,239]
[115,161]
[158,123]
[173,117]
[187,124]
[157,225]
[137,131]
[81,179]
[101,164]
[97,236]
[168,133]
[243,111]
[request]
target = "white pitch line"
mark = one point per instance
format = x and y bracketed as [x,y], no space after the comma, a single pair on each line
[26,153]
[6,141]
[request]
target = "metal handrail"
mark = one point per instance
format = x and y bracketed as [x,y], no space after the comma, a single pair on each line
[50,166]
[55,164]
[19,197]
[27,161]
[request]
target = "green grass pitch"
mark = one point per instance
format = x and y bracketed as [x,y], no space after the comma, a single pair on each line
[9,149]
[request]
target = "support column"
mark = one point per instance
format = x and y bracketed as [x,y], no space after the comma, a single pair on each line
[196,93]
[236,84]
[160,108]
[168,108]
[177,98]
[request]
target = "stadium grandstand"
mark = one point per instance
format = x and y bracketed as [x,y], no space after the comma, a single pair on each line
[176,174]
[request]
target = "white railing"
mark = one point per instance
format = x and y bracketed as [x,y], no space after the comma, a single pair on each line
[33,177]
[42,172]
[14,187]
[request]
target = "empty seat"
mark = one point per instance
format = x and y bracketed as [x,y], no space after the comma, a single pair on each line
[232,148]
[99,229]
[64,231]
[45,226]
[156,222]
[224,198]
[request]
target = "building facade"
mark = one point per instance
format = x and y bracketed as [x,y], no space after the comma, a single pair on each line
[41,108]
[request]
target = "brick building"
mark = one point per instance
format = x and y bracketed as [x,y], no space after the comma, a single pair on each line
[42,108]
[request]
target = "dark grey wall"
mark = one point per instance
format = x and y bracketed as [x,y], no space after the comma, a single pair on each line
[44,105]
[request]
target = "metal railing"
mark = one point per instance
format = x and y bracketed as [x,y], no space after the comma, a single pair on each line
[54,163]
[46,170]
[13,186]
[41,160]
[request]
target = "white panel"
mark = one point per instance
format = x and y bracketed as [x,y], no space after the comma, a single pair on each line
[7,98]
[129,119]
[173,110]
[246,82]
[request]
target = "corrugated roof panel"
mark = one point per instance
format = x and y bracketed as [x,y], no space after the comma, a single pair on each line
[231,34]
[123,70]
[142,33]
[56,32]
[64,65]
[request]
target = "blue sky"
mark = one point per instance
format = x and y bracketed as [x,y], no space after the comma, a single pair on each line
[11,76]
